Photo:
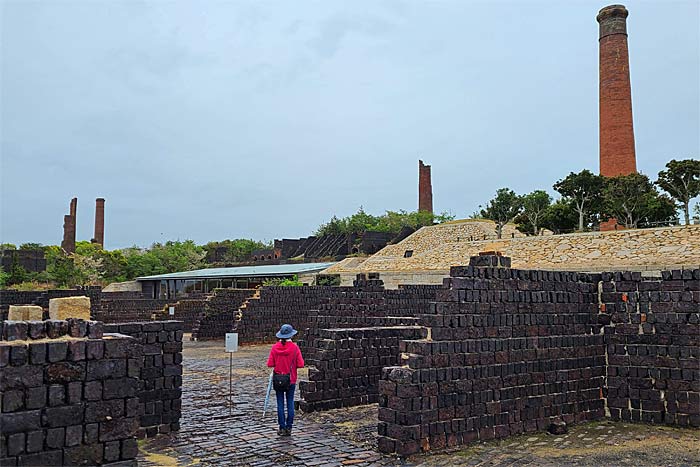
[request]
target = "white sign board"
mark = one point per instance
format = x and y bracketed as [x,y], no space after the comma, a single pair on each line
[171,311]
[232,342]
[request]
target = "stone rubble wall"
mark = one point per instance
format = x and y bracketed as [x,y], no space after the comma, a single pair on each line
[348,364]
[69,394]
[160,373]
[437,248]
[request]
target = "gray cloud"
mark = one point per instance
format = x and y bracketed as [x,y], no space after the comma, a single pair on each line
[211,120]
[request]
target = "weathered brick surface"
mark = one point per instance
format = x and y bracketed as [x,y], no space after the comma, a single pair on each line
[157,372]
[511,350]
[219,313]
[348,364]
[652,334]
[425,188]
[55,409]
[617,154]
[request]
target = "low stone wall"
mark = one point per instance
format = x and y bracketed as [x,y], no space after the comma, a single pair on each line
[434,252]
[159,375]
[347,367]
[41,298]
[69,394]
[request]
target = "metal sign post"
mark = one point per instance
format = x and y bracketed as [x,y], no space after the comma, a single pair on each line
[231,346]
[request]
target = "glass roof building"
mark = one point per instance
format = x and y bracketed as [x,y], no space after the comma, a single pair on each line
[180,284]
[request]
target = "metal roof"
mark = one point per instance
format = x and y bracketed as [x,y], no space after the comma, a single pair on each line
[242,271]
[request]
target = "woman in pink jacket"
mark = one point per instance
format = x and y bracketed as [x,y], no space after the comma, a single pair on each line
[285,358]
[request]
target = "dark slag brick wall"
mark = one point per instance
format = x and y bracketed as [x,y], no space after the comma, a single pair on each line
[511,350]
[348,365]
[71,401]
[653,346]
[160,375]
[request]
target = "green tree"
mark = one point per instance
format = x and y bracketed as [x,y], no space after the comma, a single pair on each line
[584,189]
[17,273]
[560,217]
[535,206]
[502,209]
[7,246]
[60,267]
[4,277]
[681,180]
[171,256]
[632,199]
[390,222]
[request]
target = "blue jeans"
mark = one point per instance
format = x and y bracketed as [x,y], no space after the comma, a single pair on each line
[281,396]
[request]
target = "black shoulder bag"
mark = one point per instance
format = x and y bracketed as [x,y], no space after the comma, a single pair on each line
[282,381]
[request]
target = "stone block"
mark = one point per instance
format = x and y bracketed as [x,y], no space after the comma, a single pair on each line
[45,458]
[84,454]
[25,313]
[16,422]
[69,307]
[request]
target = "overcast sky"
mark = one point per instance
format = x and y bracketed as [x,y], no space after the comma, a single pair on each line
[210,120]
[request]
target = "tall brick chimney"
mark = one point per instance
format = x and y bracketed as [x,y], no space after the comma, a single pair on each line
[425,188]
[99,222]
[69,224]
[617,155]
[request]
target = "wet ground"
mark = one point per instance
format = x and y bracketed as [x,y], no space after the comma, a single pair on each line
[216,432]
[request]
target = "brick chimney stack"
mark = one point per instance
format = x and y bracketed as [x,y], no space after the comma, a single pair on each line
[69,224]
[617,155]
[99,222]
[425,188]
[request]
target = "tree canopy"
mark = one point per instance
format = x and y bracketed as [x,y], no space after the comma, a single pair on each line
[503,208]
[681,180]
[389,222]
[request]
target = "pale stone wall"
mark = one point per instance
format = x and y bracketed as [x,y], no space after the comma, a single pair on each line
[636,250]
[25,313]
[128,286]
[69,307]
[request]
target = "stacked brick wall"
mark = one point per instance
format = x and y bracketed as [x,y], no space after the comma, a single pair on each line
[16,297]
[160,373]
[187,311]
[120,311]
[653,346]
[310,309]
[41,298]
[509,351]
[347,367]
[69,394]
[220,313]
[261,317]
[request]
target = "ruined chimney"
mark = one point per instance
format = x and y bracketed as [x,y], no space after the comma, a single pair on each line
[617,155]
[69,224]
[425,188]
[99,222]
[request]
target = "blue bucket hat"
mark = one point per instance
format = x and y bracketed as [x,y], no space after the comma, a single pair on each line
[286,331]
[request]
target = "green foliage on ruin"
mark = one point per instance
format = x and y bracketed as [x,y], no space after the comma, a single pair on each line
[163,258]
[390,222]
[237,250]
[293,282]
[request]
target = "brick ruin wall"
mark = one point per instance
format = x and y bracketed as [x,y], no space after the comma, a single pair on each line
[511,350]
[41,298]
[312,308]
[348,364]
[69,394]
[219,313]
[160,374]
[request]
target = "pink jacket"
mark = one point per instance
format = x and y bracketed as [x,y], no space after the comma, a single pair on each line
[284,357]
